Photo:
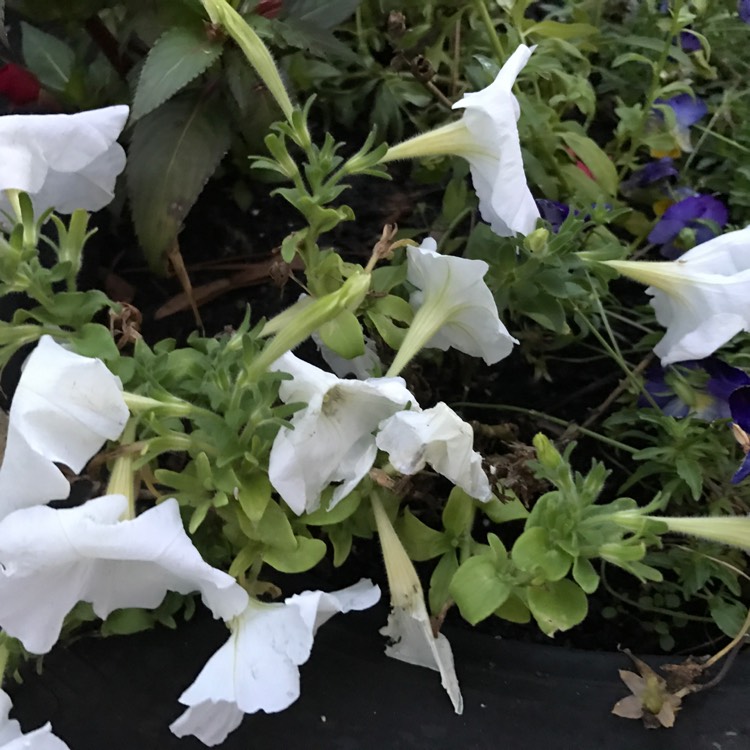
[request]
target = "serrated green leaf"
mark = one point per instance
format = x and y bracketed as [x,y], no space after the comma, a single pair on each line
[47,57]
[557,605]
[174,151]
[177,58]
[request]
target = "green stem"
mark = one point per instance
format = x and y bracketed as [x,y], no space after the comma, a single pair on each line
[549,418]
[484,14]
[656,72]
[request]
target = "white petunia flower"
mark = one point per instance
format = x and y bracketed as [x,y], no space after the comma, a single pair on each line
[51,559]
[65,407]
[454,308]
[487,137]
[257,669]
[440,438]
[64,162]
[12,738]
[701,298]
[332,438]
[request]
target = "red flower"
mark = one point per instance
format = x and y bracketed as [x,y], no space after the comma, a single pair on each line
[18,85]
[268,8]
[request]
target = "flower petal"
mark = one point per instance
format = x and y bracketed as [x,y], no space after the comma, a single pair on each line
[257,668]
[505,201]
[332,439]
[439,437]
[39,148]
[64,409]
[51,559]
[413,642]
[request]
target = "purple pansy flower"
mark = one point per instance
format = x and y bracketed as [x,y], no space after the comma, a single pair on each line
[553,212]
[743,8]
[709,401]
[687,109]
[739,404]
[689,41]
[652,172]
[690,213]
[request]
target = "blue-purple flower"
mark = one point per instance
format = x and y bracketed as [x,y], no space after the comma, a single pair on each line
[701,214]
[687,111]
[689,41]
[743,9]
[553,212]
[677,392]
[654,171]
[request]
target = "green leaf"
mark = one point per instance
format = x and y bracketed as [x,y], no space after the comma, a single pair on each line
[344,335]
[440,581]
[127,622]
[690,472]
[341,539]
[340,512]
[308,554]
[47,57]
[178,57]
[559,30]
[595,159]
[175,149]
[420,540]
[458,514]
[557,605]
[325,14]
[254,494]
[94,340]
[729,616]
[477,589]
[501,512]
[585,575]
[534,552]
[513,610]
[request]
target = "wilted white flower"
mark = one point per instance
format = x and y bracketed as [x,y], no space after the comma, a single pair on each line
[12,738]
[332,438]
[409,628]
[701,298]
[454,308]
[257,669]
[440,438]
[487,137]
[51,559]
[64,162]
[65,407]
